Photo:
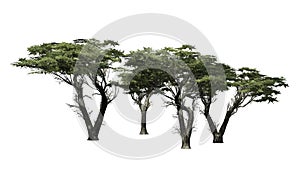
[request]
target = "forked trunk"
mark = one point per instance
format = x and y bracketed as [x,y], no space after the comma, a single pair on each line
[218,136]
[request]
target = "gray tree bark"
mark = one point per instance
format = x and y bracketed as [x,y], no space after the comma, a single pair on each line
[143,124]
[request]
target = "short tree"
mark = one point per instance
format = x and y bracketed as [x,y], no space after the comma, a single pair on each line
[141,84]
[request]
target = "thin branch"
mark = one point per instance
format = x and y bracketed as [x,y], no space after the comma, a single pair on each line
[168,97]
[114,96]
[250,100]
[67,80]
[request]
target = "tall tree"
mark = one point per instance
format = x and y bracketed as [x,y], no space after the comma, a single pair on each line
[70,63]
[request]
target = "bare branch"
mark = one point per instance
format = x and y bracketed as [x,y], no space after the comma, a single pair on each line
[65,79]
[72,106]
[249,101]
[111,98]
[171,98]
[88,97]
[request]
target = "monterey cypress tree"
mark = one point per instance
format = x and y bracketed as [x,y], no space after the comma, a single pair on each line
[70,63]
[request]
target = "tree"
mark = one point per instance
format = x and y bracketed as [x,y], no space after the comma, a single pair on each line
[210,84]
[144,85]
[180,88]
[249,86]
[141,84]
[71,63]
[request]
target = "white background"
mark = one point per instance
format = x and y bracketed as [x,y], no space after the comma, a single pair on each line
[38,130]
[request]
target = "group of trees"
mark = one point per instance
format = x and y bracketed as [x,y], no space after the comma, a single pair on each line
[188,80]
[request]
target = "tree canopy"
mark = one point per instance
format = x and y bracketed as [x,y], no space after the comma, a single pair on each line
[141,82]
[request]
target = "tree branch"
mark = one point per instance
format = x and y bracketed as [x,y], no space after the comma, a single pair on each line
[65,79]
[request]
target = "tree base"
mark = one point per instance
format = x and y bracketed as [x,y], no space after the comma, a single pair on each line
[185,144]
[185,147]
[144,131]
[93,139]
[218,141]
[218,138]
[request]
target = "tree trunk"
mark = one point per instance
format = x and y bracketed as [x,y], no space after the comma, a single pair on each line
[98,124]
[186,142]
[99,121]
[143,123]
[218,138]
[143,129]
[209,120]
[90,129]
[93,136]
[181,123]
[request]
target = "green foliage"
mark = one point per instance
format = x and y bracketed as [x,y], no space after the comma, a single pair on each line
[147,81]
[138,78]
[249,83]
[60,59]
[207,71]
[51,58]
